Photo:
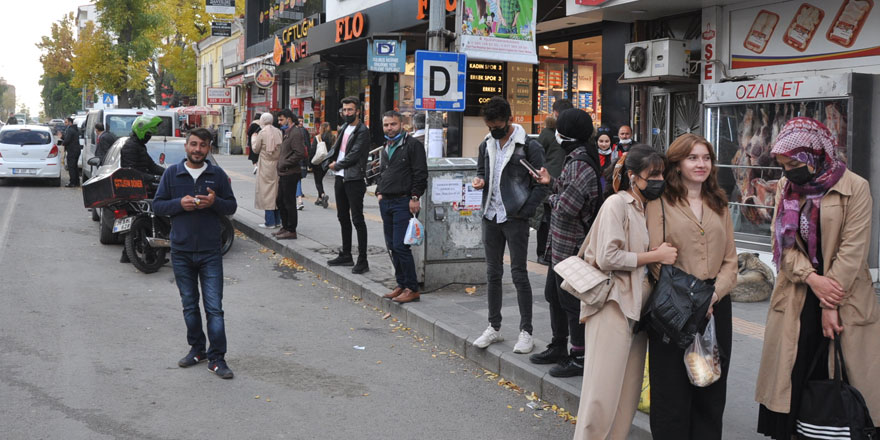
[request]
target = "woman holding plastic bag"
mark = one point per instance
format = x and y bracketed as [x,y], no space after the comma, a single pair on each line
[614,359]
[693,216]
[821,238]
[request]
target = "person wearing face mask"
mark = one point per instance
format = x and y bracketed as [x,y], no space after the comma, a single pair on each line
[348,160]
[608,155]
[618,243]
[553,159]
[575,198]
[510,197]
[292,152]
[821,239]
[624,136]
[403,177]
[693,216]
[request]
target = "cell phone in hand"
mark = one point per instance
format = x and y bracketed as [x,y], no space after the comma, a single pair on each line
[530,167]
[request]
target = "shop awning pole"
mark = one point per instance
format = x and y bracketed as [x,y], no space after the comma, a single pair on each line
[436,42]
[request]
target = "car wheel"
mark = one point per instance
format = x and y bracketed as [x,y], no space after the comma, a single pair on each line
[55,181]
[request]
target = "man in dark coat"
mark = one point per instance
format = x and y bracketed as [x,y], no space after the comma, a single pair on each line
[106,140]
[348,160]
[73,149]
[289,173]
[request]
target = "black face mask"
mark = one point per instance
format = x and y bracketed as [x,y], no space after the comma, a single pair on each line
[799,175]
[147,137]
[349,118]
[499,133]
[654,189]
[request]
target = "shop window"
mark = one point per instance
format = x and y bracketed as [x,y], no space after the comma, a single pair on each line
[743,136]
[576,77]
[552,78]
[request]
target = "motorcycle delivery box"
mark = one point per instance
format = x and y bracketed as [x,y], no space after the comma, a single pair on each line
[120,185]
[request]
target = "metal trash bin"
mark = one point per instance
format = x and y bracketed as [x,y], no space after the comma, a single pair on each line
[451,213]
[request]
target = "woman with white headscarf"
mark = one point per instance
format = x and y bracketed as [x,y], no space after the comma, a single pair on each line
[267,144]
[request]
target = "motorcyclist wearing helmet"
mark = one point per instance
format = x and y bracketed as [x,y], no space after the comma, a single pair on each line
[134,151]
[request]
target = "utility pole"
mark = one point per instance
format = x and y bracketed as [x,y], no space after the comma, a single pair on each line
[436,42]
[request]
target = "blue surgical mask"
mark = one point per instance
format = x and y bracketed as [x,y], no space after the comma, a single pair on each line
[284,127]
[395,138]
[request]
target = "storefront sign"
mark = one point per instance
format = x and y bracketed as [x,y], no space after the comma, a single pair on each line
[484,80]
[451,5]
[264,78]
[219,95]
[234,80]
[492,33]
[793,32]
[220,6]
[276,8]
[709,39]
[440,81]
[386,56]
[351,27]
[777,90]
[291,46]
[221,29]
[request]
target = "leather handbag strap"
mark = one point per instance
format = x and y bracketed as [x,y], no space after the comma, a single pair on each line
[663,211]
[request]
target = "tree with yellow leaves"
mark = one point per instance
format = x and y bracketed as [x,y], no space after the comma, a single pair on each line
[60,96]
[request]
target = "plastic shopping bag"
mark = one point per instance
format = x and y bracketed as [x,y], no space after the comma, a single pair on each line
[702,359]
[415,233]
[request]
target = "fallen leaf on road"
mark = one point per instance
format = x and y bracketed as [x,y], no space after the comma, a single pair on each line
[366,394]
[509,407]
[257,397]
[386,316]
[268,400]
[378,362]
[470,290]
[521,409]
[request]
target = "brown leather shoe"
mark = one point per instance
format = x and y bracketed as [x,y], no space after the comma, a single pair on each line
[394,293]
[279,232]
[286,235]
[407,296]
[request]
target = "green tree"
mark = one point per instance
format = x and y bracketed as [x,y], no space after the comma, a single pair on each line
[60,96]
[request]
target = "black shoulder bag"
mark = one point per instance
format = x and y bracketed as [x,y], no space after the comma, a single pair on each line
[679,303]
[833,408]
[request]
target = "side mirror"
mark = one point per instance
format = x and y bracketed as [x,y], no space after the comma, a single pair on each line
[94,161]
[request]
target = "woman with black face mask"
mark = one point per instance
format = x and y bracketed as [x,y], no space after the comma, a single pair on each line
[618,243]
[821,238]
[574,200]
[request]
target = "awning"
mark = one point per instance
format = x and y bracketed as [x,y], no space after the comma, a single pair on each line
[197,110]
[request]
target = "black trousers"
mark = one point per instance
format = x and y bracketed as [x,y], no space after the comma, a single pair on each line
[565,312]
[679,410]
[350,210]
[319,173]
[286,201]
[73,165]
[515,234]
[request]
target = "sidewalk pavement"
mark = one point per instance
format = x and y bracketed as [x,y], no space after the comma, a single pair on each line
[453,318]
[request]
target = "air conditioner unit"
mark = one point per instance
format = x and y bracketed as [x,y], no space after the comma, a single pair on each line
[638,59]
[669,58]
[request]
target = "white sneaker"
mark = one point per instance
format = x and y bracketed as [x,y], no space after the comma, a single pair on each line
[524,343]
[264,226]
[489,336]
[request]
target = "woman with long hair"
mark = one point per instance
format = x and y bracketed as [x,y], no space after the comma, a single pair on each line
[821,238]
[698,224]
[614,359]
[324,135]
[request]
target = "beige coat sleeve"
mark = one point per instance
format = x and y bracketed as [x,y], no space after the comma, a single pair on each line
[855,240]
[611,239]
[726,279]
[654,217]
[257,142]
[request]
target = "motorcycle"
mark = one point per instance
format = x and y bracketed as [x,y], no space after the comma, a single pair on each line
[147,235]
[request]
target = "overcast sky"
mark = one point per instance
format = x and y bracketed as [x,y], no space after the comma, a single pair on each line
[22,24]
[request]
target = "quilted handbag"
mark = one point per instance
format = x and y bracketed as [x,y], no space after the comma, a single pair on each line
[583,280]
[833,409]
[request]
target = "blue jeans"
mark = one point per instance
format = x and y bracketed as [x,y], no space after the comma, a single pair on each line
[395,219]
[273,217]
[205,268]
[299,185]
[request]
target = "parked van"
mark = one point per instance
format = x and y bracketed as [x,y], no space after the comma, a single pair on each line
[118,121]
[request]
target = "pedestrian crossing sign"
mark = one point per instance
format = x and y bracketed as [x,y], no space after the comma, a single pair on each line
[108,99]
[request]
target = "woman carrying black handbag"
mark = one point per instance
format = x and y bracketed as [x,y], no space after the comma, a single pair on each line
[821,238]
[698,224]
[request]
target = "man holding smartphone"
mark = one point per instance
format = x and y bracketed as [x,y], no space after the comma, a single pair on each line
[510,197]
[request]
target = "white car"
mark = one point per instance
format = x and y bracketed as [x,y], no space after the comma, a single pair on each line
[29,151]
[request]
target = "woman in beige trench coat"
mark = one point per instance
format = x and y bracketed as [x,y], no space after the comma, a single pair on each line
[821,238]
[267,143]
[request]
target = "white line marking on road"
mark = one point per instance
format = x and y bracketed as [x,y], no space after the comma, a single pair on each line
[5,220]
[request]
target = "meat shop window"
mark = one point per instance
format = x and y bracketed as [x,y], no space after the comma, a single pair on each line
[743,135]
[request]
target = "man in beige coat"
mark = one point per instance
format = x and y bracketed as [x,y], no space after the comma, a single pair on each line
[266,143]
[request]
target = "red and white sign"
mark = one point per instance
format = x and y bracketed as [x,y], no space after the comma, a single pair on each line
[219,95]
[709,39]
[234,80]
[783,89]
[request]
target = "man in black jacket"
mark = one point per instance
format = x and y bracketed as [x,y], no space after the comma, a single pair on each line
[72,148]
[289,174]
[402,180]
[348,160]
[510,197]
[106,140]
[134,150]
